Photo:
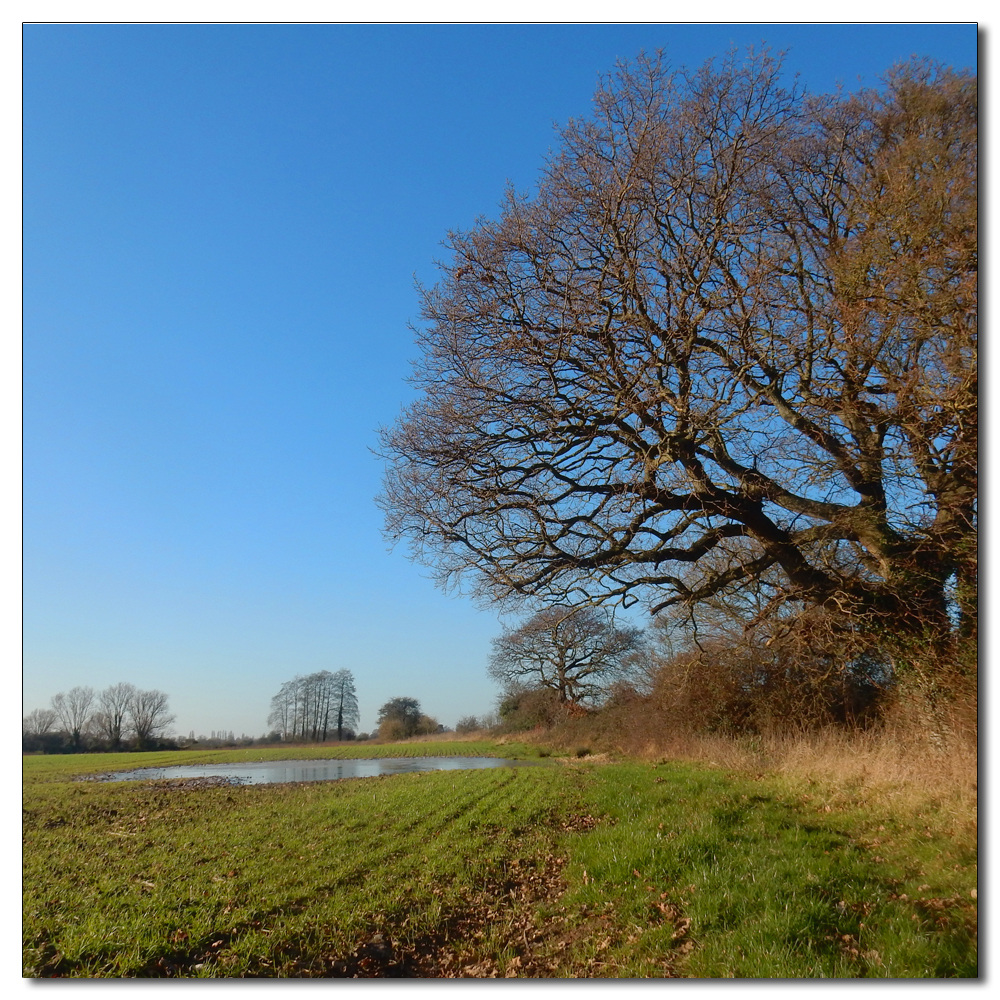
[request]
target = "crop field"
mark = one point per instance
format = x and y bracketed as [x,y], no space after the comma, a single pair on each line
[576,868]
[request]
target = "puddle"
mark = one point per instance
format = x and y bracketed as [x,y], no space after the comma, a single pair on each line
[268,772]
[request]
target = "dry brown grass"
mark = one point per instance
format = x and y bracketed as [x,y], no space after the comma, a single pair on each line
[924,753]
[886,765]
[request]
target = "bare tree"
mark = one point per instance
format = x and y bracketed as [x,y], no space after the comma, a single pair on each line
[316,705]
[468,724]
[38,722]
[732,337]
[576,652]
[344,701]
[307,708]
[283,709]
[73,710]
[148,716]
[112,715]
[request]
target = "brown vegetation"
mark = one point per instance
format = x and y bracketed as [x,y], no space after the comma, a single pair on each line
[790,702]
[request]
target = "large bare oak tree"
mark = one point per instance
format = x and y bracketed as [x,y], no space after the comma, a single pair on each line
[730,340]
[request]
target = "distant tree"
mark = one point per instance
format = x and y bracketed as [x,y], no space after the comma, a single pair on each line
[73,711]
[489,721]
[111,718]
[316,705]
[427,725]
[284,709]
[405,712]
[467,724]
[308,708]
[37,731]
[345,702]
[38,722]
[148,716]
[576,652]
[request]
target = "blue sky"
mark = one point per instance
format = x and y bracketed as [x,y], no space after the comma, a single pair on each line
[222,229]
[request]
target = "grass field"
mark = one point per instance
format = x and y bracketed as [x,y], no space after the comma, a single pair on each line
[578,868]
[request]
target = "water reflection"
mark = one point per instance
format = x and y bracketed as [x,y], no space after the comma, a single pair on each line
[266,772]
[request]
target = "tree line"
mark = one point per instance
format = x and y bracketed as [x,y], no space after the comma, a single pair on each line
[324,706]
[316,707]
[121,717]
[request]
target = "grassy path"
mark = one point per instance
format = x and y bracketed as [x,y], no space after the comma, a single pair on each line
[573,869]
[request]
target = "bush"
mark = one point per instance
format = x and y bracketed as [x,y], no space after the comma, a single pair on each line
[467,724]
[530,709]
[721,691]
[391,730]
[426,726]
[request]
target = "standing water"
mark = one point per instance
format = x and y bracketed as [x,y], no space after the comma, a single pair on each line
[266,772]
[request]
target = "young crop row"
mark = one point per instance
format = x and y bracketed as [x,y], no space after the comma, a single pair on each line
[619,870]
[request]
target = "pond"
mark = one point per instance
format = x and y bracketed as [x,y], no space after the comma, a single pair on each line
[265,772]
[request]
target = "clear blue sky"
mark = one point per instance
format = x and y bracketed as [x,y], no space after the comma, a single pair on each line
[222,229]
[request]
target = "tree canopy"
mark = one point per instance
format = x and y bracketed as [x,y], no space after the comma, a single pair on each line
[731,341]
[79,719]
[403,712]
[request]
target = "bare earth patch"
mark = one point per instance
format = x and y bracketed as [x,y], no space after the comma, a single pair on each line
[504,921]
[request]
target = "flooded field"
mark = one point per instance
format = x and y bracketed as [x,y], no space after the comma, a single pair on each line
[269,772]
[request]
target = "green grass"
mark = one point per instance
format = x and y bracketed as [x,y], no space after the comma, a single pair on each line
[580,869]
[774,886]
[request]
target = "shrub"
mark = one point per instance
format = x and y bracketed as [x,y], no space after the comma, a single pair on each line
[427,725]
[391,730]
[530,709]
